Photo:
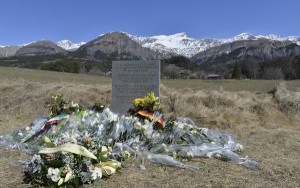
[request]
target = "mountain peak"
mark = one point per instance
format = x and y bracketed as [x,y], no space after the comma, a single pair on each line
[181,35]
[43,47]
[69,45]
[244,36]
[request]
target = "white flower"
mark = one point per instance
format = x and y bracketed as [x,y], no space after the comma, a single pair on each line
[53,174]
[103,149]
[240,147]
[218,156]
[194,132]
[96,173]
[55,178]
[174,154]
[36,158]
[74,105]
[180,125]
[190,154]
[138,124]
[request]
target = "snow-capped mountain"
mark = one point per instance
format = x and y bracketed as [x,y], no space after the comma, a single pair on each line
[69,45]
[20,45]
[181,44]
[178,43]
[247,36]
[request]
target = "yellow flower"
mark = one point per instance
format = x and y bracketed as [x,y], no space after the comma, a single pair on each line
[138,101]
[150,98]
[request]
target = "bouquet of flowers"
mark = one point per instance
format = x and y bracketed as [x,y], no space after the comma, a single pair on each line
[73,146]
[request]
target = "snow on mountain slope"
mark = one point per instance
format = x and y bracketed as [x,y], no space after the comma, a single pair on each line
[181,44]
[69,45]
[20,45]
[178,43]
[294,39]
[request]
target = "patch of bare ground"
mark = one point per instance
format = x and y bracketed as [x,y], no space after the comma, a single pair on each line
[267,124]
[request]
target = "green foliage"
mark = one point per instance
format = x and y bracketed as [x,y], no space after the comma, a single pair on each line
[79,53]
[105,66]
[32,62]
[181,61]
[88,67]
[99,107]
[114,56]
[62,66]
[58,105]
[236,73]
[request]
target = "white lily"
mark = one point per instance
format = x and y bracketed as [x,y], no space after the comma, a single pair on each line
[109,167]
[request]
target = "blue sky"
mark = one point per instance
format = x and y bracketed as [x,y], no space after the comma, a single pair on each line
[23,21]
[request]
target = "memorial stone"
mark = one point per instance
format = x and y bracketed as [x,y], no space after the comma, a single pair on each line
[133,79]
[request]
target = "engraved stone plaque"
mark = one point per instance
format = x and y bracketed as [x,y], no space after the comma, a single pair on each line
[133,79]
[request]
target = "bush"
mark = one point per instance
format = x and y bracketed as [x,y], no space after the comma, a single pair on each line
[62,66]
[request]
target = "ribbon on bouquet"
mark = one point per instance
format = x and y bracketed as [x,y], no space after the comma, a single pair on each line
[71,148]
[160,120]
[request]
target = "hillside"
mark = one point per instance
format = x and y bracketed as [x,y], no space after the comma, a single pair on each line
[44,47]
[116,46]
[257,59]
[7,51]
[259,50]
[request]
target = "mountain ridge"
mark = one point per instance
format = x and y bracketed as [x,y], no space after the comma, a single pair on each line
[182,44]
[179,43]
[237,51]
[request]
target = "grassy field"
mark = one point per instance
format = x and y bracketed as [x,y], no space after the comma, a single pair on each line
[226,85]
[266,124]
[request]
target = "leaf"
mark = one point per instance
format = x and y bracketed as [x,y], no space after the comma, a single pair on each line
[68,176]
[56,164]
[61,124]
[76,181]
[61,181]
[47,140]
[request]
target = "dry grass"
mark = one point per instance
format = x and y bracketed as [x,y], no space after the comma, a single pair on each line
[262,86]
[267,124]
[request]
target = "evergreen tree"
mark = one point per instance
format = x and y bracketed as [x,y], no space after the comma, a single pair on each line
[236,73]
